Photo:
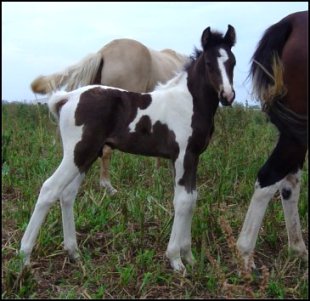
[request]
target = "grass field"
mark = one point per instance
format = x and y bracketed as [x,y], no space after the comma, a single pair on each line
[123,238]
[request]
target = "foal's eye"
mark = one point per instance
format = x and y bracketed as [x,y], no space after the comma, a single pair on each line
[209,66]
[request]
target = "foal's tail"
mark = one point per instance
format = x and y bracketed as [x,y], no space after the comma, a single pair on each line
[56,101]
[266,68]
[83,73]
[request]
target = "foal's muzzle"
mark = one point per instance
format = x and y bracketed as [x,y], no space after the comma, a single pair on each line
[227,99]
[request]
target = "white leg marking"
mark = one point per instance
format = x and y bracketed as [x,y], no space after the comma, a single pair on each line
[291,187]
[186,245]
[50,192]
[67,201]
[256,212]
[180,238]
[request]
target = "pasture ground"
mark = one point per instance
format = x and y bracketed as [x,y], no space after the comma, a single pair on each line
[123,238]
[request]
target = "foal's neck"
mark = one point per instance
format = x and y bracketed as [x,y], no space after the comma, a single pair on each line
[205,98]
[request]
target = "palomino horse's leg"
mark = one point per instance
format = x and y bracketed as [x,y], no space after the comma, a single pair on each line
[51,190]
[104,170]
[184,203]
[66,201]
[290,190]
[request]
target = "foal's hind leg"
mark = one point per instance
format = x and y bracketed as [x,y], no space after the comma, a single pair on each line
[290,190]
[104,170]
[67,201]
[51,191]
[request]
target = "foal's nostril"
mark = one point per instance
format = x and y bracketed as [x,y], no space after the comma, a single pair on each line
[226,98]
[222,94]
[233,95]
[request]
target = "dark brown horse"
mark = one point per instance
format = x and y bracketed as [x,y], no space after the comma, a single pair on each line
[176,121]
[280,81]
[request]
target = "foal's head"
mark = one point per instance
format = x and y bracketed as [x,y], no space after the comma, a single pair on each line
[219,62]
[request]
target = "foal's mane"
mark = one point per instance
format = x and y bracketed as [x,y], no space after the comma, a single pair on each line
[216,38]
[170,83]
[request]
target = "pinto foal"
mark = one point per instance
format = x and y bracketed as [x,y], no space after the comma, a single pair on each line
[176,122]
[122,63]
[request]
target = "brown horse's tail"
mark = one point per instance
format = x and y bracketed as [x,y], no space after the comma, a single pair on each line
[266,67]
[81,74]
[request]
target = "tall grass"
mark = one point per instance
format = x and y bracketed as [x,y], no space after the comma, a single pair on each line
[123,238]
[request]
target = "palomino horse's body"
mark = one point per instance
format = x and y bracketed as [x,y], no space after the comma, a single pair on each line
[176,122]
[280,81]
[122,63]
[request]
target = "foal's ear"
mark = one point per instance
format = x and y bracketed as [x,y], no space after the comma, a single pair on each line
[205,38]
[230,36]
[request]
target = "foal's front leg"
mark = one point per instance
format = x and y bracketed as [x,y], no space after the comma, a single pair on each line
[184,203]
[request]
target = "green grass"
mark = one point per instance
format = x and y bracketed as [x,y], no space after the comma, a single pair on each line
[122,239]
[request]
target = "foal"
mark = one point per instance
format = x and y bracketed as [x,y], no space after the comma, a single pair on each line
[174,122]
[122,63]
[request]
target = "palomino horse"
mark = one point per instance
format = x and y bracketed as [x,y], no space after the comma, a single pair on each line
[280,81]
[123,63]
[151,124]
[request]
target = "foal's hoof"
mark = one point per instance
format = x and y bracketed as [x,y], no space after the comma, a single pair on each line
[248,267]
[74,256]
[111,191]
[189,258]
[25,259]
[177,265]
[304,256]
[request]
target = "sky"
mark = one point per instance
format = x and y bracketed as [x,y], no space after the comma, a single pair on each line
[40,38]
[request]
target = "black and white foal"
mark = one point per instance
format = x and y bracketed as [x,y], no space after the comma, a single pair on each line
[175,122]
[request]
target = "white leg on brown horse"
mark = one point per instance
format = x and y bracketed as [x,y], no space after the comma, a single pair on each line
[253,220]
[186,244]
[67,201]
[290,190]
[104,170]
[180,238]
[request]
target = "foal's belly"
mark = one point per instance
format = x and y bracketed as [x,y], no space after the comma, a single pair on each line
[156,141]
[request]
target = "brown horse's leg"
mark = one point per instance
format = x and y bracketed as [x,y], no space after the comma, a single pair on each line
[104,170]
[290,191]
[280,172]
